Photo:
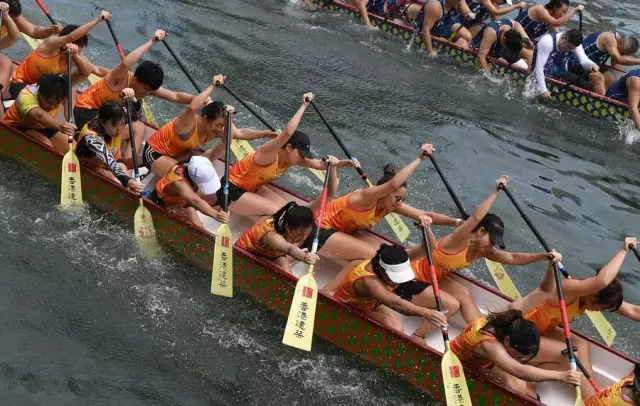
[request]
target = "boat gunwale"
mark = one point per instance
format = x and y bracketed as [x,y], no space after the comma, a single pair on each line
[445,43]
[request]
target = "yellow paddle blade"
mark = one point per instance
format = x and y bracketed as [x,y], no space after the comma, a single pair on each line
[455,383]
[603,326]
[302,313]
[579,401]
[398,226]
[145,231]
[222,275]
[502,279]
[71,185]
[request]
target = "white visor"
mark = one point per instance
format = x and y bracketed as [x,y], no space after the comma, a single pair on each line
[204,175]
[509,2]
[399,273]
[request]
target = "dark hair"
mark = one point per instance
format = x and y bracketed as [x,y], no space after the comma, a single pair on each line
[68,29]
[15,8]
[513,40]
[389,171]
[555,4]
[150,74]
[523,334]
[630,45]
[611,296]
[574,37]
[53,87]
[212,110]
[389,254]
[292,215]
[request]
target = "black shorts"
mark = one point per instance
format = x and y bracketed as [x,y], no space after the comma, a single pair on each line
[15,88]
[324,235]
[47,132]
[409,289]
[149,156]
[235,192]
[82,116]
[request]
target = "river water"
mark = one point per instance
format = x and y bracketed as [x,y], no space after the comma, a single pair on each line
[85,320]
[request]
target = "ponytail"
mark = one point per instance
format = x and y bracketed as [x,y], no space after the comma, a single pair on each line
[293,216]
[389,254]
[389,171]
[523,334]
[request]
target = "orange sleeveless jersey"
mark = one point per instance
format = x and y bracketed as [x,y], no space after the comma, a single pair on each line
[167,141]
[249,176]
[27,100]
[443,262]
[99,93]
[340,216]
[611,396]
[113,146]
[346,293]
[36,66]
[250,240]
[548,316]
[465,343]
[176,174]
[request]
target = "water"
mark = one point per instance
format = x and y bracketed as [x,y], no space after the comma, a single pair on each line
[85,320]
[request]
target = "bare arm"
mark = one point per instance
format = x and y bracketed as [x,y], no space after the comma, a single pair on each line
[251,134]
[41,116]
[35,31]
[542,14]
[376,289]
[629,311]
[267,153]
[192,199]
[418,251]
[497,354]
[13,33]
[83,69]
[119,76]
[516,258]
[633,84]
[332,187]
[438,219]
[433,14]
[499,11]
[186,121]
[488,39]
[277,242]
[173,96]
[52,44]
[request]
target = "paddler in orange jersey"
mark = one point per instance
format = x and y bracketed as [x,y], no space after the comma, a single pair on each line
[247,196]
[369,287]
[36,110]
[503,346]
[280,237]
[50,57]
[98,145]
[601,293]
[146,80]
[476,238]
[199,124]
[625,392]
[181,188]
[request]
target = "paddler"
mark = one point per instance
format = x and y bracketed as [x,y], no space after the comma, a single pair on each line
[199,124]
[361,210]
[599,293]
[36,109]
[247,178]
[627,90]
[99,144]
[625,392]
[501,39]
[280,237]
[476,238]
[599,47]
[487,11]
[50,57]
[551,56]
[538,19]
[369,6]
[369,287]
[180,190]
[146,80]
[503,345]
[8,35]
[440,18]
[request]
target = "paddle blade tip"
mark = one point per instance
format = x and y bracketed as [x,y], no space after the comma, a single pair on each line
[222,273]
[300,323]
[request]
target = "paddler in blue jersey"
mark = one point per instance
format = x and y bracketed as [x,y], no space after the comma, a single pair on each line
[487,11]
[552,54]
[539,19]
[627,89]
[600,46]
[502,39]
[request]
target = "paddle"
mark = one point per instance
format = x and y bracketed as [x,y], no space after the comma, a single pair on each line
[497,271]
[222,274]
[635,252]
[580,21]
[584,371]
[45,10]
[604,328]
[566,329]
[71,183]
[455,383]
[115,39]
[397,225]
[142,220]
[302,313]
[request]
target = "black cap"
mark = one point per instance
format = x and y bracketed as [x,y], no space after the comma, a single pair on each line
[512,46]
[302,143]
[495,227]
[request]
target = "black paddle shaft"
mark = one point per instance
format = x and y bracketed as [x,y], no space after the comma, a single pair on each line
[565,321]
[580,21]
[115,39]
[635,252]
[456,201]
[434,282]
[338,140]
[132,139]
[316,231]
[227,158]
[69,90]
[184,69]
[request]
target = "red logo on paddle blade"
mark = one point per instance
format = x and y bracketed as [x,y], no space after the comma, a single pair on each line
[72,167]
[307,292]
[224,241]
[454,372]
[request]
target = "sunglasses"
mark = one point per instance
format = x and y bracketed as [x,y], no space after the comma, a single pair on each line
[400,199]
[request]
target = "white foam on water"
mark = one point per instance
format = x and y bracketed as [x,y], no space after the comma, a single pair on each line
[627,131]
[232,337]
